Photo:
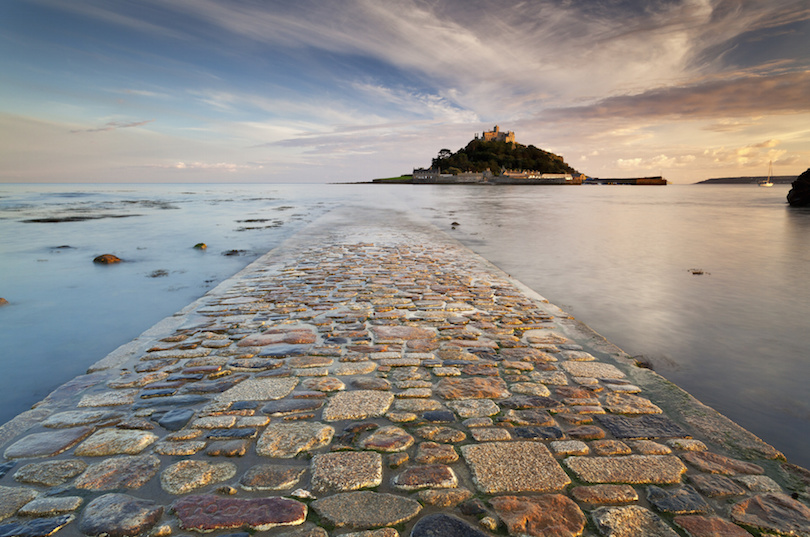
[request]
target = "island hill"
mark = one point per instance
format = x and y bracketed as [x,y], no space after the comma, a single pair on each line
[496,158]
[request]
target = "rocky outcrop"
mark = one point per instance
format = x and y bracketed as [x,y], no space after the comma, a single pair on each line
[799,195]
[106,259]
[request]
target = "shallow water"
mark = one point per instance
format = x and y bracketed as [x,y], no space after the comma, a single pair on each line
[617,258]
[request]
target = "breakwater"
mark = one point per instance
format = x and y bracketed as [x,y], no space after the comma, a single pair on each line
[372,373]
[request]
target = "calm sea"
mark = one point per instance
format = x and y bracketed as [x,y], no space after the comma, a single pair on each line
[620,259]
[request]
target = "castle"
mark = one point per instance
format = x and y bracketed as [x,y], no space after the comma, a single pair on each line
[497,136]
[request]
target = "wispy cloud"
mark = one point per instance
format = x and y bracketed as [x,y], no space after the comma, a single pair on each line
[113,125]
[744,96]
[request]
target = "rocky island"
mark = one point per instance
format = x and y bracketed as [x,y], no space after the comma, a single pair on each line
[799,195]
[495,158]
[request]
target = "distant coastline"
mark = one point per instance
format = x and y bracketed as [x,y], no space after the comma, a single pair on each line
[778,180]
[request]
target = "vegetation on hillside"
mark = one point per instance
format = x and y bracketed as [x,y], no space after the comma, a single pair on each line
[480,155]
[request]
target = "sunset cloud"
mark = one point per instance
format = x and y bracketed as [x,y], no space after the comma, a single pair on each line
[113,125]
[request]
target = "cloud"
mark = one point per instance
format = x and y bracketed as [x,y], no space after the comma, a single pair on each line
[657,162]
[749,155]
[113,125]
[746,96]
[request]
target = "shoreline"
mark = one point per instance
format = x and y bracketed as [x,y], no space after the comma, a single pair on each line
[375,284]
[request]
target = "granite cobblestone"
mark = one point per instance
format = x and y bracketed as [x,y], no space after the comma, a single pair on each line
[401,386]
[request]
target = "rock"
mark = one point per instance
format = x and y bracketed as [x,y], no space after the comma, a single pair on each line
[206,512]
[50,473]
[431,452]
[592,369]
[229,448]
[551,515]
[436,476]
[439,416]
[610,447]
[73,418]
[442,525]
[388,439]
[50,506]
[474,408]
[773,512]
[625,403]
[110,398]
[307,529]
[569,447]
[106,259]
[683,500]
[628,469]
[758,483]
[471,388]
[705,526]
[716,486]
[327,384]
[46,444]
[114,442]
[38,527]
[3,302]
[644,427]
[259,389]
[630,521]
[200,246]
[714,463]
[444,497]
[605,494]
[398,333]
[12,498]
[125,472]
[184,476]
[119,515]
[175,419]
[441,434]
[271,477]
[366,509]
[799,195]
[286,440]
[514,467]
[345,471]
[586,432]
[357,405]
[272,337]
[179,448]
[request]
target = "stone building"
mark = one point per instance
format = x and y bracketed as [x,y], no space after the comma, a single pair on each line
[498,136]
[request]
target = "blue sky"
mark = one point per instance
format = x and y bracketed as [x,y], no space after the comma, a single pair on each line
[338,90]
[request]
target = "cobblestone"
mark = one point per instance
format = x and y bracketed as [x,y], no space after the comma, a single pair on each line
[367,375]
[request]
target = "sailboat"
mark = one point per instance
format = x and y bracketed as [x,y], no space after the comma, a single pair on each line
[767,182]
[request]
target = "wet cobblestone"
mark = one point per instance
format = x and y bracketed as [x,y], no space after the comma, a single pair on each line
[395,386]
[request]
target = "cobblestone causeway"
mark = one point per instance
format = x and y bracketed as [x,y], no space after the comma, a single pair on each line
[372,377]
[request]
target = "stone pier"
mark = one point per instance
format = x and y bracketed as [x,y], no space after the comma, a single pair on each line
[372,377]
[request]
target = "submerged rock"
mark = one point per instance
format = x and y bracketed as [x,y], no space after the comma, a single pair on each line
[3,301]
[200,246]
[799,195]
[106,259]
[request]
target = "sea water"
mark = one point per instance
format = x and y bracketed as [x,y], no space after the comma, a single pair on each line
[707,284]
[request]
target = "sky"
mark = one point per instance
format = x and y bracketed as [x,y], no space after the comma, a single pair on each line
[190,91]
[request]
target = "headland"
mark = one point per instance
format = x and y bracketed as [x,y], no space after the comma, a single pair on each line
[372,377]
